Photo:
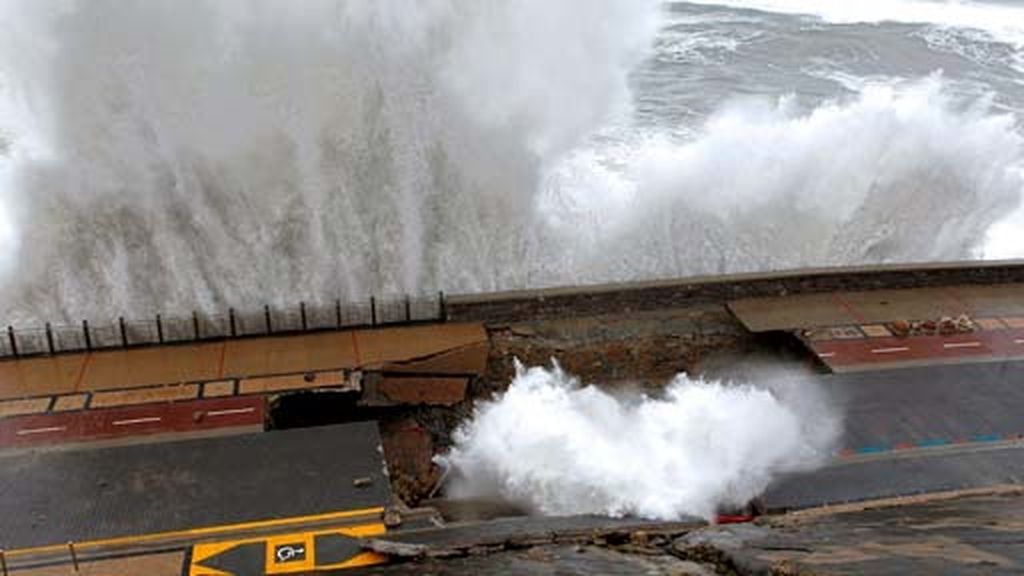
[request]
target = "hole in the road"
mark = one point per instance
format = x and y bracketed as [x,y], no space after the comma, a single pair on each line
[318,408]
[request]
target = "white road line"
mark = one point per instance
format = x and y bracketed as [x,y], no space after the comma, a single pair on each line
[889,350]
[136,421]
[949,345]
[230,411]
[826,354]
[27,431]
[1019,341]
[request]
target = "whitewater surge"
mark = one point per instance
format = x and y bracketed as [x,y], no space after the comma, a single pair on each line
[158,157]
[560,448]
[908,173]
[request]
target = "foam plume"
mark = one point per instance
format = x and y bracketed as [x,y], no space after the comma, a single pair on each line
[560,448]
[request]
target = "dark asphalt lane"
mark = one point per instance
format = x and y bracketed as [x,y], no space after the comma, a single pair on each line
[975,411]
[947,403]
[56,496]
[903,474]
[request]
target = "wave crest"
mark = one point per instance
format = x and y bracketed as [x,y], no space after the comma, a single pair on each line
[896,174]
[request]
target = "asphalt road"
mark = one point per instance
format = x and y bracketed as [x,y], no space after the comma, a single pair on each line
[56,496]
[934,404]
[911,472]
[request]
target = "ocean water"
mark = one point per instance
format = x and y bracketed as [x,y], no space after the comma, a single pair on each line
[170,156]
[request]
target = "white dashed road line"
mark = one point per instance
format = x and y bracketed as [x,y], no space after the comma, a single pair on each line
[132,421]
[892,350]
[27,431]
[950,345]
[231,411]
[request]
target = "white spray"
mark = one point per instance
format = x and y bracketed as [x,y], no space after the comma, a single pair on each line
[169,156]
[560,448]
[173,155]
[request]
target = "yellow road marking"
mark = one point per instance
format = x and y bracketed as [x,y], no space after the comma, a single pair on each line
[195,532]
[201,552]
[205,551]
[363,559]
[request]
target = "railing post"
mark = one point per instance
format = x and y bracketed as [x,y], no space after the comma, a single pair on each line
[124,331]
[195,325]
[3,562]
[49,338]
[302,311]
[408,309]
[373,311]
[14,341]
[231,322]
[74,557]
[85,331]
[266,316]
[159,329]
[337,310]
[442,309]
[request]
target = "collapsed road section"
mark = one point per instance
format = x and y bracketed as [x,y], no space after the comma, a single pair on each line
[315,452]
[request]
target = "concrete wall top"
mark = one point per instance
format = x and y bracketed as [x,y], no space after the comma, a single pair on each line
[652,295]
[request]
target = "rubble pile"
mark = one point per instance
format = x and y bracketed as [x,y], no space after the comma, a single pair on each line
[944,326]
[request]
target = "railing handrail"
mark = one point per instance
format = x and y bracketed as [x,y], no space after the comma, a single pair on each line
[201,327]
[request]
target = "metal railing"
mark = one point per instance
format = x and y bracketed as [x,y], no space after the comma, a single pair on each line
[198,327]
